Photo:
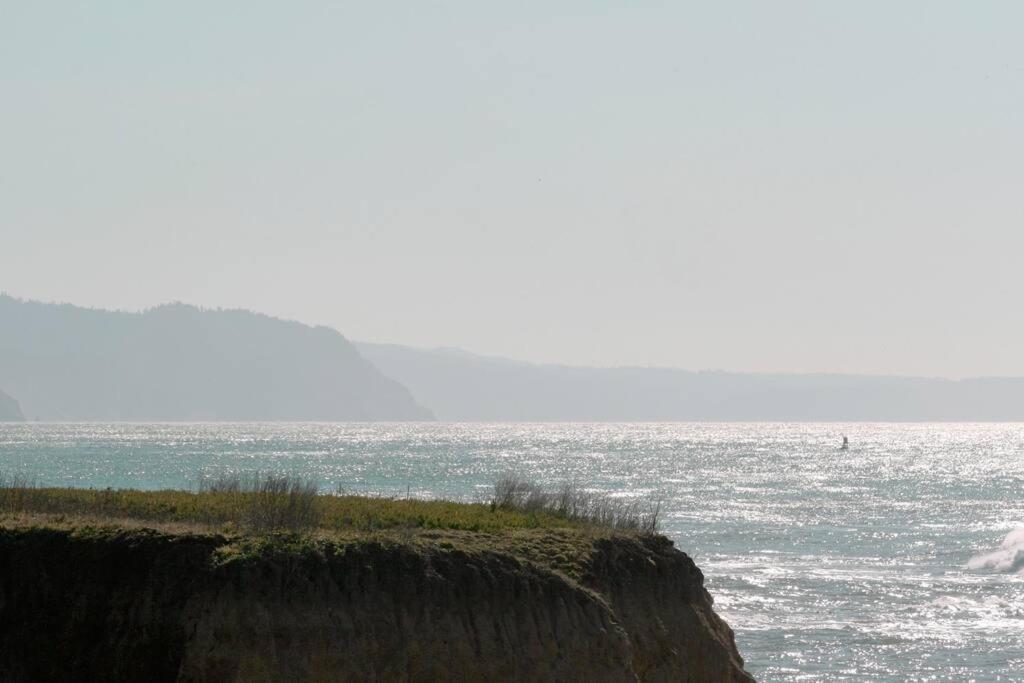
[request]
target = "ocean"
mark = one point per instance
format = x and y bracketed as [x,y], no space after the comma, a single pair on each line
[896,560]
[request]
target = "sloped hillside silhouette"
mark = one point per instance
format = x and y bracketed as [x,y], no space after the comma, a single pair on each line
[10,411]
[179,362]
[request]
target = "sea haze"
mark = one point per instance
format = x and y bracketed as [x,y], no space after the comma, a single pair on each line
[179,362]
[898,559]
[457,385]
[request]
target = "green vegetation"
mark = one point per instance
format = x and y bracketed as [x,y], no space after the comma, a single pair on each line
[521,519]
[269,502]
[265,503]
[571,502]
[285,518]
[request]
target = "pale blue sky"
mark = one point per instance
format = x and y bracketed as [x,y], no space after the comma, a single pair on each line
[792,186]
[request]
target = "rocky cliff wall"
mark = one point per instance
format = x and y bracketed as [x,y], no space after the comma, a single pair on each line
[148,606]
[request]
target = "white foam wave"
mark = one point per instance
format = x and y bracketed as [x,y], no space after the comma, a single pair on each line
[1008,558]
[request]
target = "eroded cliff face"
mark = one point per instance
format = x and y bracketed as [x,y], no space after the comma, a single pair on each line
[658,597]
[150,606]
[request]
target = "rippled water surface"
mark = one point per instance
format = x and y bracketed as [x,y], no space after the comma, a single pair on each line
[896,560]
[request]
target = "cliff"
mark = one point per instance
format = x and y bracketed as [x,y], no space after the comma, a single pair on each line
[179,362]
[143,605]
[10,411]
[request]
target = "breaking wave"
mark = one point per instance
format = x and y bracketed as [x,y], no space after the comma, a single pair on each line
[1008,558]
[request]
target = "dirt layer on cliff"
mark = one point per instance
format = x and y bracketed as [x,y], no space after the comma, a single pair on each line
[131,603]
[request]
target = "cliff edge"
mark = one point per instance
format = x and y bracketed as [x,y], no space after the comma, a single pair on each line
[10,411]
[107,603]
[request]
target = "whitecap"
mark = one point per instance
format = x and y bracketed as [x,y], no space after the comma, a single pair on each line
[1008,558]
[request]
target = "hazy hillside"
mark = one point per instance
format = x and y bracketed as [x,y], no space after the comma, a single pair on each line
[9,409]
[178,362]
[462,386]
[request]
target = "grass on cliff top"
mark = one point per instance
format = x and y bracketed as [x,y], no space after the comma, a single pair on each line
[267,502]
[244,511]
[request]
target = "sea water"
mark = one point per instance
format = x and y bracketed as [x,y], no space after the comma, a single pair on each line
[895,560]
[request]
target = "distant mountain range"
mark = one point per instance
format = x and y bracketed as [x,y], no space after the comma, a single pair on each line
[179,362]
[457,385]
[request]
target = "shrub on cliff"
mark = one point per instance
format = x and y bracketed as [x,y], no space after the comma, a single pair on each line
[570,501]
[274,501]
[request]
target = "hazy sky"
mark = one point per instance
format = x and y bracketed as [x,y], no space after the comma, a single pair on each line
[795,186]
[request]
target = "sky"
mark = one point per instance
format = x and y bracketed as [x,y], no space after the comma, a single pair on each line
[749,186]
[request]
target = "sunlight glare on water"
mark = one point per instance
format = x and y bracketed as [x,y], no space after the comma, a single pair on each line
[895,560]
